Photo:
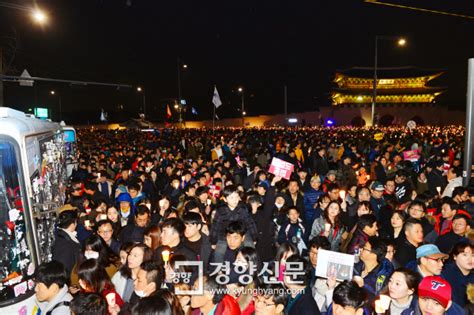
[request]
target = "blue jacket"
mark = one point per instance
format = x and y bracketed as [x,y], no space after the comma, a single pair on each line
[310,197]
[415,310]
[458,282]
[377,279]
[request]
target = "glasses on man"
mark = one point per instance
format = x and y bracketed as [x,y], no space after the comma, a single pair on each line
[438,260]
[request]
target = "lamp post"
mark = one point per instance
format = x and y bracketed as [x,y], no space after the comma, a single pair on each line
[53,92]
[181,66]
[36,15]
[178,108]
[242,109]
[141,90]
[400,42]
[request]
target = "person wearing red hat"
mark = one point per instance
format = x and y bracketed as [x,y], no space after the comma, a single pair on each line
[434,297]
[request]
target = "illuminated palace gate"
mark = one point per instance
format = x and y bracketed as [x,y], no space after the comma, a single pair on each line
[405,85]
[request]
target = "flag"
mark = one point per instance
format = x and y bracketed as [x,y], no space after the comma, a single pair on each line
[168,112]
[194,111]
[216,100]
[103,115]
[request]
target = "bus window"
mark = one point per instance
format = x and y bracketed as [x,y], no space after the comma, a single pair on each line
[16,265]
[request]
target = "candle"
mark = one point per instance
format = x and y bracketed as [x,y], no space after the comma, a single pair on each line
[208,202]
[165,255]
[378,307]
[342,194]
[87,223]
[327,226]
[110,299]
[385,301]
[103,217]
[368,177]
[438,189]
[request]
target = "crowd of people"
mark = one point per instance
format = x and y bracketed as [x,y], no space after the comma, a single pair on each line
[195,221]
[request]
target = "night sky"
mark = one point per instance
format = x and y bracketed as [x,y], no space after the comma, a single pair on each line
[260,45]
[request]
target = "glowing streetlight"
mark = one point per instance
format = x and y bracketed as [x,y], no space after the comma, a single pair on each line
[185,66]
[244,113]
[401,42]
[139,89]
[52,92]
[240,89]
[39,16]
[176,106]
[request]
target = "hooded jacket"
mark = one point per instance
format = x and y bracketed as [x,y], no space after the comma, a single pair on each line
[62,308]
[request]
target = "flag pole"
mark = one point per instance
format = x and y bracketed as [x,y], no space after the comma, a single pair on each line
[213,113]
[213,117]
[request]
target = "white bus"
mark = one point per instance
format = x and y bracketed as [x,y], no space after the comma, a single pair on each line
[32,187]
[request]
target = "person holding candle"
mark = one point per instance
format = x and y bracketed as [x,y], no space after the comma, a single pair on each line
[329,225]
[94,279]
[402,288]
[172,230]
[373,270]
[348,299]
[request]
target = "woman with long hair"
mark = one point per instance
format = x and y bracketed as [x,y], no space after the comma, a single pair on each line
[114,216]
[284,251]
[138,254]
[96,248]
[152,237]
[244,278]
[329,225]
[94,279]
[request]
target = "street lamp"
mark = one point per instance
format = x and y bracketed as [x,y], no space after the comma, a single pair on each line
[401,42]
[53,92]
[141,90]
[242,110]
[36,14]
[39,16]
[180,66]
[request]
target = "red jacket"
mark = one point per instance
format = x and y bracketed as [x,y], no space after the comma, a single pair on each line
[439,222]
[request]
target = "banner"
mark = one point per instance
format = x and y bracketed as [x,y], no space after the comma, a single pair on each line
[281,168]
[411,155]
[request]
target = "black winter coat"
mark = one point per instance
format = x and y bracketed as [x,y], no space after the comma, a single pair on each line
[65,250]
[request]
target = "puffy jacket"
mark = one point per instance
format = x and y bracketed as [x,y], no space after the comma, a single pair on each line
[310,197]
[377,279]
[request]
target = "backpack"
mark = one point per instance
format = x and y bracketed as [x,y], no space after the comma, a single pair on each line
[63,303]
